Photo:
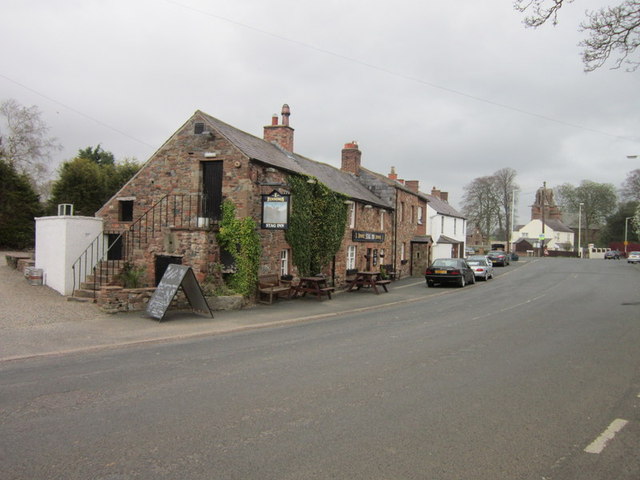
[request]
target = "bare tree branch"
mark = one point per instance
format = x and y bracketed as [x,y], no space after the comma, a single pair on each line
[612,32]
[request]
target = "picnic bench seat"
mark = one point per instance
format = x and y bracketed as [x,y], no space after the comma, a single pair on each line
[383,284]
[270,286]
[326,291]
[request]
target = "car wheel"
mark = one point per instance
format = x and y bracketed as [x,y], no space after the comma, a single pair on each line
[473,279]
[462,282]
[429,283]
[486,276]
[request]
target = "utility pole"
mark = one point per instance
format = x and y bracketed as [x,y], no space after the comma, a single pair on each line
[542,237]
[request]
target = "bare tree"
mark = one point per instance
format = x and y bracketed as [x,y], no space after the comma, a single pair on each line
[631,186]
[481,206]
[25,144]
[505,185]
[611,30]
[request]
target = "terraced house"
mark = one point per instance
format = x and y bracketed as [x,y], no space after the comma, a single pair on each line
[171,210]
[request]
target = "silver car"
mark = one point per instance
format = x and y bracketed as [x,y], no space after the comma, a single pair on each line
[633,257]
[481,266]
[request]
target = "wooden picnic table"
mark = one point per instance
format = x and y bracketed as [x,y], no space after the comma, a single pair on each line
[314,285]
[368,279]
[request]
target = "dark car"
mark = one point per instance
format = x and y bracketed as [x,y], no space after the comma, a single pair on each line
[449,270]
[498,257]
[612,255]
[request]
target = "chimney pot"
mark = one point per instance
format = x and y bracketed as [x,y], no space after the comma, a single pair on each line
[280,134]
[351,158]
[413,185]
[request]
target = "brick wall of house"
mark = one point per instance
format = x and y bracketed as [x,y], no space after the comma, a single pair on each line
[176,168]
[366,220]
[408,227]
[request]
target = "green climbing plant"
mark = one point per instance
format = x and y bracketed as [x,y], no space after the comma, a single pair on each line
[316,224]
[239,237]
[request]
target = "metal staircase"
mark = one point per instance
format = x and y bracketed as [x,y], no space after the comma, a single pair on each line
[104,259]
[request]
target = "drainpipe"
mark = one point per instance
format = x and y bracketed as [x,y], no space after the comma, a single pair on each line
[395,232]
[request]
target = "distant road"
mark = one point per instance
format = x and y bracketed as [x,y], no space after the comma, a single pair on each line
[532,375]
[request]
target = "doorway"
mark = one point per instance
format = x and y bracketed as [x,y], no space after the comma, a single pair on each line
[212,189]
[162,262]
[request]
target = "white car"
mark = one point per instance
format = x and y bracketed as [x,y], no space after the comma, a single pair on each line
[633,257]
[481,266]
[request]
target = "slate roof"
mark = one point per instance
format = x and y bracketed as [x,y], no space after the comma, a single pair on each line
[557,226]
[445,239]
[270,154]
[442,207]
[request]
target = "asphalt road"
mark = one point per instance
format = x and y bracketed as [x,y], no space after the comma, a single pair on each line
[509,379]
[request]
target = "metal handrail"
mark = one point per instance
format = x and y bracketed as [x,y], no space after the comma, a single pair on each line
[171,211]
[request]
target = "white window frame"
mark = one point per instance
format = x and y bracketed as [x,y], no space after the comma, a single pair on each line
[351,257]
[402,252]
[420,217]
[381,219]
[352,216]
[284,262]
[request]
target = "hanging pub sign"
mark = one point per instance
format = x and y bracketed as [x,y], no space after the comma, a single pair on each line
[275,211]
[360,236]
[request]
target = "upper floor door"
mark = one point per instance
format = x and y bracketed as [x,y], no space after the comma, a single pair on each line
[212,189]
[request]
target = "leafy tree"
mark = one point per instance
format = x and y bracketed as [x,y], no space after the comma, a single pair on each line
[615,227]
[631,186]
[25,145]
[119,174]
[97,155]
[19,205]
[598,202]
[90,179]
[82,183]
[611,30]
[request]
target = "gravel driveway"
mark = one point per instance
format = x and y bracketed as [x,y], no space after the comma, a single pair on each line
[24,305]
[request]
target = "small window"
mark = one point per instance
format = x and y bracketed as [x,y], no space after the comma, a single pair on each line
[352,217]
[284,262]
[126,210]
[351,257]
[198,128]
[420,216]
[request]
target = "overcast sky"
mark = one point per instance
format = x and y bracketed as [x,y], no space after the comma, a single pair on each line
[444,91]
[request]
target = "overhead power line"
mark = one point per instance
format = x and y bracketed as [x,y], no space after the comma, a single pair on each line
[394,73]
[76,111]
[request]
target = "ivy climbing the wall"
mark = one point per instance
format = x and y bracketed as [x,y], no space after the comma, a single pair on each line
[239,237]
[317,222]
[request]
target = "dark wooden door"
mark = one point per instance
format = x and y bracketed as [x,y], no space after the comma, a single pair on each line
[162,262]
[114,251]
[212,189]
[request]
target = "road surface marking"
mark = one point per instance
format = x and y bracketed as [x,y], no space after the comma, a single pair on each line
[599,443]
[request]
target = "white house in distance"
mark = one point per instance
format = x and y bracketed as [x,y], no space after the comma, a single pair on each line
[557,236]
[446,226]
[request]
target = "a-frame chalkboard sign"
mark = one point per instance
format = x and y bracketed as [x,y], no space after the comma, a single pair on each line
[174,277]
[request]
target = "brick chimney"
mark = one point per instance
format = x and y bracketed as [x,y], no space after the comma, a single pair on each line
[413,185]
[351,157]
[435,192]
[392,174]
[280,134]
[444,196]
